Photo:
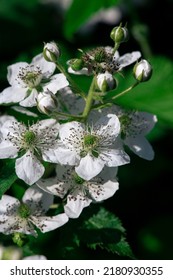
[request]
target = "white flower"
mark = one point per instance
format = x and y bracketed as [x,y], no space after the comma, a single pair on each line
[16,216]
[27,80]
[90,148]
[134,127]
[80,193]
[102,59]
[34,143]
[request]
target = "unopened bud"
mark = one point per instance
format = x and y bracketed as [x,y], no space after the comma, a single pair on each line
[106,82]
[77,64]
[47,102]
[51,52]
[142,71]
[119,34]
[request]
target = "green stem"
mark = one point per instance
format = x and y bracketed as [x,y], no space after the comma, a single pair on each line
[89,99]
[57,114]
[125,91]
[73,84]
[116,46]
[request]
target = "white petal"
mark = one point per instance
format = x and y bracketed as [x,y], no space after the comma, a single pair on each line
[29,168]
[89,167]
[114,157]
[5,118]
[50,156]
[45,124]
[37,200]
[75,205]
[7,150]
[108,126]
[7,202]
[46,224]
[16,224]
[31,100]
[63,156]
[47,68]
[56,83]
[13,127]
[143,122]
[60,184]
[140,146]
[71,134]
[108,186]
[129,58]
[24,111]
[12,95]
[13,72]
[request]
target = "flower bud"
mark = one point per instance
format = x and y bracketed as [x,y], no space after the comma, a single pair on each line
[105,82]
[142,71]
[119,34]
[47,102]
[51,52]
[76,64]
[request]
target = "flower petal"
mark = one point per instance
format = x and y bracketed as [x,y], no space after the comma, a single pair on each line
[37,200]
[31,100]
[12,95]
[128,59]
[71,131]
[56,83]
[108,126]
[47,68]
[13,72]
[89,167]
[140,146]
[57,185]
[8,202]
[62,155]
[7,150]
[114,157]
[75,205]
[108,186]
[46,224]
[29,168]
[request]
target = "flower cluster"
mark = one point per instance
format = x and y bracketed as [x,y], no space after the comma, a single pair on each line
[77,140]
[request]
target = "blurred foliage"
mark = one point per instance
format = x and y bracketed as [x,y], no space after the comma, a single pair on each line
[144,200]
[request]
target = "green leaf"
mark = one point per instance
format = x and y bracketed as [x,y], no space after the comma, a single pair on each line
[80,11]
[154,96]
[105,230]
[7,175]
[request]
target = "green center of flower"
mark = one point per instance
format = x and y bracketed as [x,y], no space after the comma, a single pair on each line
[30,75]
[125,121]
[100,55]
[90,145]
[78,180]
[24,211]
[90,140]
[29,138]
